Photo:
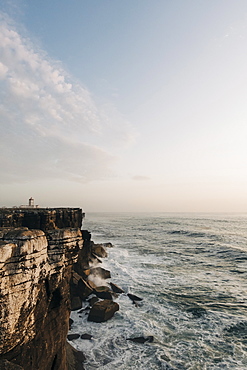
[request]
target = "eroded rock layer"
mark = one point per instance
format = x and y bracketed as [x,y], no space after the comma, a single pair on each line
[41,218]
[35,271]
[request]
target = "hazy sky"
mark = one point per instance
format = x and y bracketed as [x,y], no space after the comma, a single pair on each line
[132,105]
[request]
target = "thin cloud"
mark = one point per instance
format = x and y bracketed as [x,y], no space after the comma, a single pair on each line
[140,178]
[50,125]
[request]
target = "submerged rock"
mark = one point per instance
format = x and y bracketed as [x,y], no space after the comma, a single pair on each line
[134,298]
[103,292]
[86,336]
[70,323]
[197,311]
[73,336]
[116,289]
[103,310]
[107,245]
[142,339]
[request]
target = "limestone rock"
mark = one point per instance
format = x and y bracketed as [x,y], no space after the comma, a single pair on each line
[101,272]
[74,358]
[76,303]
[116,289]
[99,250]
[93,300]
[41,218]
[7,365]
[141,339]
[79,287]
[35,297]
[103,311]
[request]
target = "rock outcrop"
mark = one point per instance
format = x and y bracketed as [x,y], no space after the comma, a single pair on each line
[103,310]
[41,218]
[37,251]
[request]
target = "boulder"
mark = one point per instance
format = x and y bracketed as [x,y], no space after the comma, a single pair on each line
[134,298]
[142,339]
[73,336]
[95,258]
[91,284]
[76,303]
[93,300]
[100,272]
[103,292]
[70,323]
[84,289]
[107,245]
[103,310]
[99,250]
[116,289]
[86,336]
[104,295]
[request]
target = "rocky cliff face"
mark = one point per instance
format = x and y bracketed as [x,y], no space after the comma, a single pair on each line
[35,271]
[41,218]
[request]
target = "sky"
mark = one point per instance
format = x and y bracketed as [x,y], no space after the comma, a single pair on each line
[124,106]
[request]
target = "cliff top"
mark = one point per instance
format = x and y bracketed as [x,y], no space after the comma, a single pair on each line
[41,218]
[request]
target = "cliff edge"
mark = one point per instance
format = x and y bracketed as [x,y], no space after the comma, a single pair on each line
[37,251]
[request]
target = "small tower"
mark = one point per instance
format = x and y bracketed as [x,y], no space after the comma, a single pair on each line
[31,202]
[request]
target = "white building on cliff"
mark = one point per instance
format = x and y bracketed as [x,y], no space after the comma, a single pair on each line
[30,204]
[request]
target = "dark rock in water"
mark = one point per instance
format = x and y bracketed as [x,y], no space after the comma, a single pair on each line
[148,339]
[116,289]
[239,329]
[70,322]
[134,297]
[99,250]
[102,288]
[107,245]
[102,292]
[86,336]
[76,303]
[99,271]
[93,300]
[103,295]
[79,286]
[197,311]
[91,284]
[103,310]
[73,336]
[96,258]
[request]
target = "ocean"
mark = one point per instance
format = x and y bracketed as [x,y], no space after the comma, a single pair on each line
[191,271]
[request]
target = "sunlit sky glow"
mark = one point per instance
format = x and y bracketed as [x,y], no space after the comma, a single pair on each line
[132,105]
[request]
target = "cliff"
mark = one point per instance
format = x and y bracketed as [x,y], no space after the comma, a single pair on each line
[37,251]
[41,218]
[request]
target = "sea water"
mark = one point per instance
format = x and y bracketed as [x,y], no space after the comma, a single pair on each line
[191,271]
